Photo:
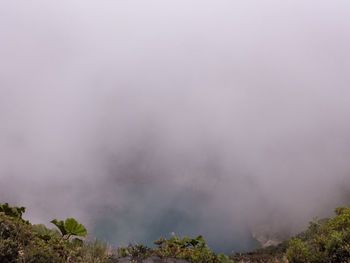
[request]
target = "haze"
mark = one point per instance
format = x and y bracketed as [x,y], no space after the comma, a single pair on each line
[141,118]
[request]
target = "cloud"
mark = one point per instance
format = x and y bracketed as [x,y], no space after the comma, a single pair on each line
[192,117]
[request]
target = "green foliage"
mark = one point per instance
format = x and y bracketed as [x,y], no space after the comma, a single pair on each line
[137,252]
[9,251]
[341,221]
[299,251]
[14,211]
[42,254]
[77,242]
[337,247]
[18,241]
[224,258]
[74,228]
[123,252]
[324,241]
[341,210]
[191,249]
[97,249]
[60,226]
[70,228]
[45,233]
[21,242]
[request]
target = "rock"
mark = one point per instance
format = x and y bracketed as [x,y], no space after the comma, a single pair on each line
[159,260]
[267,236]
[152,259]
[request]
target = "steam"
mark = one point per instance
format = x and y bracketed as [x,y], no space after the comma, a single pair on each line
[145,118]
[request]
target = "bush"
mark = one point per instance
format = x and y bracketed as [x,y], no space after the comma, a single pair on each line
[14,211]
[191,249]
[42,254]
[299,251]
[22,242]
[324,241]
[9,251]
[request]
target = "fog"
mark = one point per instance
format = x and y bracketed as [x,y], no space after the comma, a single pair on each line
[141,118]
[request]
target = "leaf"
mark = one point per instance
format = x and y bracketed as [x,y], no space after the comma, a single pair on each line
[74,228]
[60,225]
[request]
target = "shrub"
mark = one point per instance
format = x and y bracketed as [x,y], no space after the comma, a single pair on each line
[299,251]
[22,242]
[324,241]
[191,249]
[9,251]
[42,254]
[14,211]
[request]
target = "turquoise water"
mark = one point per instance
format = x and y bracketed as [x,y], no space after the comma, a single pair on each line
[150,216]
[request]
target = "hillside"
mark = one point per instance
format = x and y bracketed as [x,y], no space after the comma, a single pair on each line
[326,240]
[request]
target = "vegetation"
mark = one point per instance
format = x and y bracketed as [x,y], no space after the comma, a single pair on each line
[70,228]
[326,240]
[22,242]
[15,211]
[190,249]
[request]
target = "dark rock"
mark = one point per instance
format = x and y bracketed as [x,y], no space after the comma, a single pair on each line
[159,260]
[152,259]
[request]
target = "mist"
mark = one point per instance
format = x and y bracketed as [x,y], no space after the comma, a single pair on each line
[142,118]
